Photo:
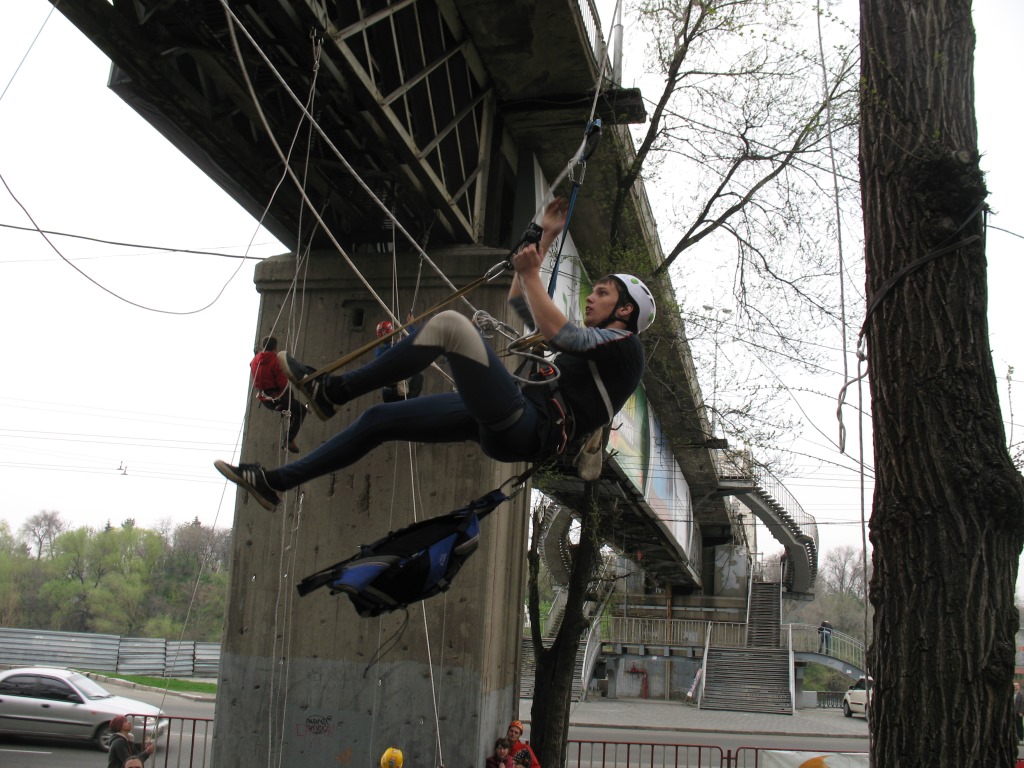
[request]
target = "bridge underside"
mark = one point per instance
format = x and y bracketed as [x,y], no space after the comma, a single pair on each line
[430,103]
[420,98]
[633,528]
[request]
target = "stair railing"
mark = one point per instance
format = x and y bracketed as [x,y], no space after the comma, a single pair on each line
[780,614]
[593,643]
[699,693]
[557,605]
[844,647]
[750,594]
[792,673]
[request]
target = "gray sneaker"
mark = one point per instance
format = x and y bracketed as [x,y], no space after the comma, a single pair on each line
[251,478]
[312,391]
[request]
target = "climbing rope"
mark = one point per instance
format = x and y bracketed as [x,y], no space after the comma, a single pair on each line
[392,310]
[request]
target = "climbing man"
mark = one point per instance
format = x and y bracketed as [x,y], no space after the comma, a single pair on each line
[272,390]
[600,363]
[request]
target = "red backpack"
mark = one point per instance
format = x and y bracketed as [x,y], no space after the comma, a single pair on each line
[267,375]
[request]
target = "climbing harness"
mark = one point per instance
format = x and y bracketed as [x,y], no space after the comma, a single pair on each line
[413,563]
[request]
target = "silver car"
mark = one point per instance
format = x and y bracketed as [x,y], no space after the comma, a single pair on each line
[45,702]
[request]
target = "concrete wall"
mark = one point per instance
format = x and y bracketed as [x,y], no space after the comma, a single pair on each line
[730,571]
[305,681]
[668,677]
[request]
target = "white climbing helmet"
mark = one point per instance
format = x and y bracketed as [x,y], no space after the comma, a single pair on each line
[641,297]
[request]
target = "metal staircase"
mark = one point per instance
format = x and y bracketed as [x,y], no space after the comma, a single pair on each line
[755,678]
[747,680]
[586,656]
[764,495]
[553,545]
[764,616]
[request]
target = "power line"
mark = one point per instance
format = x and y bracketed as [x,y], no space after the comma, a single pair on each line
[166,249]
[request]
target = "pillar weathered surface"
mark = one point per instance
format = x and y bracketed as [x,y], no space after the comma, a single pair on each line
[306,681]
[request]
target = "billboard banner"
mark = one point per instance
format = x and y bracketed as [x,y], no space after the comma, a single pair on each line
[775,759]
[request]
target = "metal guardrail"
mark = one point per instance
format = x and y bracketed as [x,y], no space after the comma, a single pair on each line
[619,754]
[592,25]
[800,638]
[830,699]
[188,741]
[842,647]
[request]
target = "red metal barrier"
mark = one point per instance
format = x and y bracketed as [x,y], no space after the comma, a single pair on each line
[624,754]
[186,743]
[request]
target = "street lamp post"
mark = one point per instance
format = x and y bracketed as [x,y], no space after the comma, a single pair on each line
[718,320]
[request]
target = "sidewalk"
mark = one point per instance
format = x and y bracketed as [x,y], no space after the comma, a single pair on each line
[657,715]
[660,715]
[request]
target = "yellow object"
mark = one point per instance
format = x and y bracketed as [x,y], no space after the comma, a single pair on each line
[392,758]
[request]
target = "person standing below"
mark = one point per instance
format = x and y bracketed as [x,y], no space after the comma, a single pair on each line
[1018,711]
[121,747]
[515,732]
[272,390]
[825,638]
[601,364]
[501,757]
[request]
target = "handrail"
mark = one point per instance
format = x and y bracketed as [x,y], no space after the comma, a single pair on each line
[592,648]
[557,604]
[592,25]
[843,647]
[741,465]
[690,633]
[792,673]
[750,593]
[699,693]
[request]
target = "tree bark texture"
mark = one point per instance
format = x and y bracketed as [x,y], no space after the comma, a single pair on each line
[948,519]
[556,666]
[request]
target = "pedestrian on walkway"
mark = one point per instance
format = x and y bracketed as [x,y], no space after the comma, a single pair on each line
[825,638]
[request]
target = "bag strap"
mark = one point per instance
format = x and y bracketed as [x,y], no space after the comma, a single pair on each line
[602,389]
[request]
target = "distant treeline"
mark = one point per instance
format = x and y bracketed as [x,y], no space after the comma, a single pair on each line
[122,580]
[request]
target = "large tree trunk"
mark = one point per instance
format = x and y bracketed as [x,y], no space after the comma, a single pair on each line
[948,519]
[552,697]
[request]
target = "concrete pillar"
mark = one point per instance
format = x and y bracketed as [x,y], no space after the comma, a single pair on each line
[306,681]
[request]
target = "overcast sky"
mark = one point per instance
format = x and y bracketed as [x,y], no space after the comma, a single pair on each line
[113,411]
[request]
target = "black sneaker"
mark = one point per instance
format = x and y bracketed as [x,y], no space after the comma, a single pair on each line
[251,478]
[312,391]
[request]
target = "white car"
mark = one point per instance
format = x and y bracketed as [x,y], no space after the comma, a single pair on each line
[45,702]
[856,699]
